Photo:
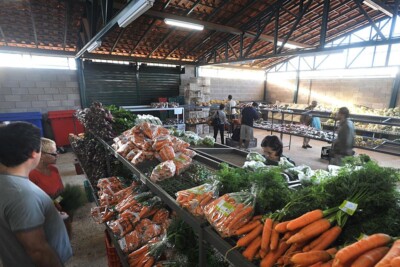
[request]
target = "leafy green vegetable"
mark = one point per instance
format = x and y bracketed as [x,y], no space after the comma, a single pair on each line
[123,119]
[379,209]
[208,141]
[254,156]
[74,197]
[272,190]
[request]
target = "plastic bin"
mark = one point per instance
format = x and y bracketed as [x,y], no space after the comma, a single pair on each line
[32,117]
[63,122]
[112,256]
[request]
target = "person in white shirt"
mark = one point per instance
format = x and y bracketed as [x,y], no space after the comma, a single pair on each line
[230,108]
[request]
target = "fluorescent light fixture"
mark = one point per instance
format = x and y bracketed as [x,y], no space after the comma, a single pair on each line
[290,46]
[135,11]
[94,46]
[184,24]
[376,6]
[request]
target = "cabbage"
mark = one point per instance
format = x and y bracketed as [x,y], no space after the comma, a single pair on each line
[208,141]
[254,156]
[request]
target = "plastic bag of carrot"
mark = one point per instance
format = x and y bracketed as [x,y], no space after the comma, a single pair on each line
[230,212]
[196,198]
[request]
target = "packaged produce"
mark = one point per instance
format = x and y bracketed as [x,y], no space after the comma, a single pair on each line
[196,198]
[111,185]
[179,144]
[162,171]
[182,163]
[138,158]
[160,216]
[101,214]
[254,156]
[167,153]
[253,165]
[230,212]
[123,225]
[161,141]
[209,141]
[189,152]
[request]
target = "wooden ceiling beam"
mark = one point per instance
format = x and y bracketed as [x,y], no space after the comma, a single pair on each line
[33,24]
[4,36]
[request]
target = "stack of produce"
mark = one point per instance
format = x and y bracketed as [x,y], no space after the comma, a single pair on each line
[134,215]
[148,141]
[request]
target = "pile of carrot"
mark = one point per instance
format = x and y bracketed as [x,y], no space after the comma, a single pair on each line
[230,212]
[303,241]
[195,199]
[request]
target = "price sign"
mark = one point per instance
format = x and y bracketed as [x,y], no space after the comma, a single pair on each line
[348,207]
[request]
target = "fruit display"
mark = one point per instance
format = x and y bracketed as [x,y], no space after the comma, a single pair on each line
[196,121]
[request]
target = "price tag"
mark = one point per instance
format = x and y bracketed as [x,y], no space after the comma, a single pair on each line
[143,179]
[122,243]
[225,208]
[115,153]
[348,207]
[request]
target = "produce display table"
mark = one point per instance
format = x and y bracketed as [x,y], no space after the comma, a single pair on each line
[201,227]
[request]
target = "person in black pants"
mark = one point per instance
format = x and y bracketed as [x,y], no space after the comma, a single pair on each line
[220,126]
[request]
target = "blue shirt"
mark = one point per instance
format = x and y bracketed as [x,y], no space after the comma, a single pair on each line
[249,114]
[24,206]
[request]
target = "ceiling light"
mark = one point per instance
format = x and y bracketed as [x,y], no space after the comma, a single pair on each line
[376,6]
[184,24]
[134,12]
[94,46]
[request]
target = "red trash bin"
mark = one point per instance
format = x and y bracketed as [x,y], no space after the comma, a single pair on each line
[63,122]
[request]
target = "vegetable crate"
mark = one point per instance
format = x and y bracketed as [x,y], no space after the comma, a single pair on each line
[112,256]
[325,152]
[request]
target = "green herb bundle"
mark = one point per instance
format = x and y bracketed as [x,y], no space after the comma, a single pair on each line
[123,119]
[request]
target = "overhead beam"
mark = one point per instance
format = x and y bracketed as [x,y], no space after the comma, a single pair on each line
[68,8]
[311,51]
[37,51]
[162,41]
[33,24]
[4,36]
[324,25]
[137,59]
[103,31]
[117,40]
[371,22]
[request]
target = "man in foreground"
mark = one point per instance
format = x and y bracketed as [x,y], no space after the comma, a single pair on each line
[32,232]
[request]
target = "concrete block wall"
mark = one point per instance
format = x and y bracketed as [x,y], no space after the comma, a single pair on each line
[372,92]
[38,90]
[242,90]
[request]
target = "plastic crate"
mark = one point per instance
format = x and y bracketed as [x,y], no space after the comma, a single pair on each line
[112,256]
[33,117]
[63,122]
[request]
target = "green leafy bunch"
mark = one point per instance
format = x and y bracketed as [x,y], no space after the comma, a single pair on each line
[272,191]
[123,119]
[74,197]
[378,208]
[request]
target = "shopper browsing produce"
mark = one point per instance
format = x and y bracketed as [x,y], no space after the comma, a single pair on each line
[343,145]
[249,115]
[230,108]
[31,229]
[272,147]
[309,120]
[219,120]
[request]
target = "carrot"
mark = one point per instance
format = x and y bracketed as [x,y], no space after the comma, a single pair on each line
[149,262]
[327,264]
[257,217]
[263,252]
[266,234]
[274,238]
[289,253]
[247,239]
[311,257]
[270,259]
[332,251]
[354,250]
[242,215]
[305,219]
[247,228]
[206,200]
[395,262]
[326,239]
[318,264]
[139,251]
[281,227]
[371,257]
[233,215]
[393,253]
[310,231]
[252,249]
[287,235]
